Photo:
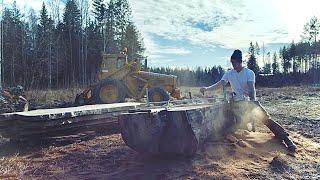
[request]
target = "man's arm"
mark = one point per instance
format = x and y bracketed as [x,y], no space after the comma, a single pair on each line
[219,85]
[252,90]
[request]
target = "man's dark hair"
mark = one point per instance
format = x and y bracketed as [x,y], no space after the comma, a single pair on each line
[237,55]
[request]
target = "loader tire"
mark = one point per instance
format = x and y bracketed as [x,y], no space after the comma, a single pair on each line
[158,94]
[109,91]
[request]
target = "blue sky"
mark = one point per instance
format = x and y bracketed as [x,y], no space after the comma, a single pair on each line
[180,33]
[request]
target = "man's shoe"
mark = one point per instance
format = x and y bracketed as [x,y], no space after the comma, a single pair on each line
[290,144]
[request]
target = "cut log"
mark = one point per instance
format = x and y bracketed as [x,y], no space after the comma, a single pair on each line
[173,132]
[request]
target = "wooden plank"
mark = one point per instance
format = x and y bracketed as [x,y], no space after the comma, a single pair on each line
[46,114]
[16,125]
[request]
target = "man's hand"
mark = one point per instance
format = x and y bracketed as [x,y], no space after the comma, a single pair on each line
[202,90]
[219,85]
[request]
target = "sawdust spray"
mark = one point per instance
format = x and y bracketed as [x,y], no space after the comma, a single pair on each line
[245,112]
[249,112]
[242,114]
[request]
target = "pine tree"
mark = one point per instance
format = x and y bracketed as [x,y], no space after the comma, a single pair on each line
[13,39]
[72,27]
[267,65]
[62,75]
[292,56]
[133,42]
[99,10]
[118,18]
[257,49]
[267,68]
[275,64]
[109,37]
[284,53]
[31,68]
[44,47]
[311,30]
[310,34]
[94,50]
[123,20]
[252,61]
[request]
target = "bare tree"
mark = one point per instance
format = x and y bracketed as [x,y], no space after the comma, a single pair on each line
[54,12]
[1,38]
[83,6]
[310,33]
[54,6]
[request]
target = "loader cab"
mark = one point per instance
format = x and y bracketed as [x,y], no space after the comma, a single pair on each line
[115,64]
[111,63]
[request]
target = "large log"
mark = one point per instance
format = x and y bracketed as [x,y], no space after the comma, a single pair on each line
[173,132]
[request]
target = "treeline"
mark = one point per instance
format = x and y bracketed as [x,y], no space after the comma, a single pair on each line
[190,77]
[295,64]
[53,49]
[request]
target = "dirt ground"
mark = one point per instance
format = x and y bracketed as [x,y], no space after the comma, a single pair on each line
[243,155]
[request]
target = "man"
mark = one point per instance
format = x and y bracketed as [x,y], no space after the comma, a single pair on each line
[242,81]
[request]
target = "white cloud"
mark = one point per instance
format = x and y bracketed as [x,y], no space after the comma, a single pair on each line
[159,54]
[176,20]
[171,50]
[296,14]
[197,23]
[204,24]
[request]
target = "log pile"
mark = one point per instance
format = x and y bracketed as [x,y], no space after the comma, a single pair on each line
[12,100]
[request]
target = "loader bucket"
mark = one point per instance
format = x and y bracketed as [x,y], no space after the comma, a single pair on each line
[171,133]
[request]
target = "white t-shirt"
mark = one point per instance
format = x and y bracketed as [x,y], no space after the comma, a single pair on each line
[239,81]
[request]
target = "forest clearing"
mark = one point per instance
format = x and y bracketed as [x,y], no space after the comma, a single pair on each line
[244,154]
[130,89]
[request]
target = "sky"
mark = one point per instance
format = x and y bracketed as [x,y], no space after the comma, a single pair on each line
[180,33]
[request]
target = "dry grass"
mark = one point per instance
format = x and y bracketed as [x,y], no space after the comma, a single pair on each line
[12,167]
[49,96]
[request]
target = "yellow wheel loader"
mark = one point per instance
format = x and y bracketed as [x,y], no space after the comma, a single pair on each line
[120,78]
